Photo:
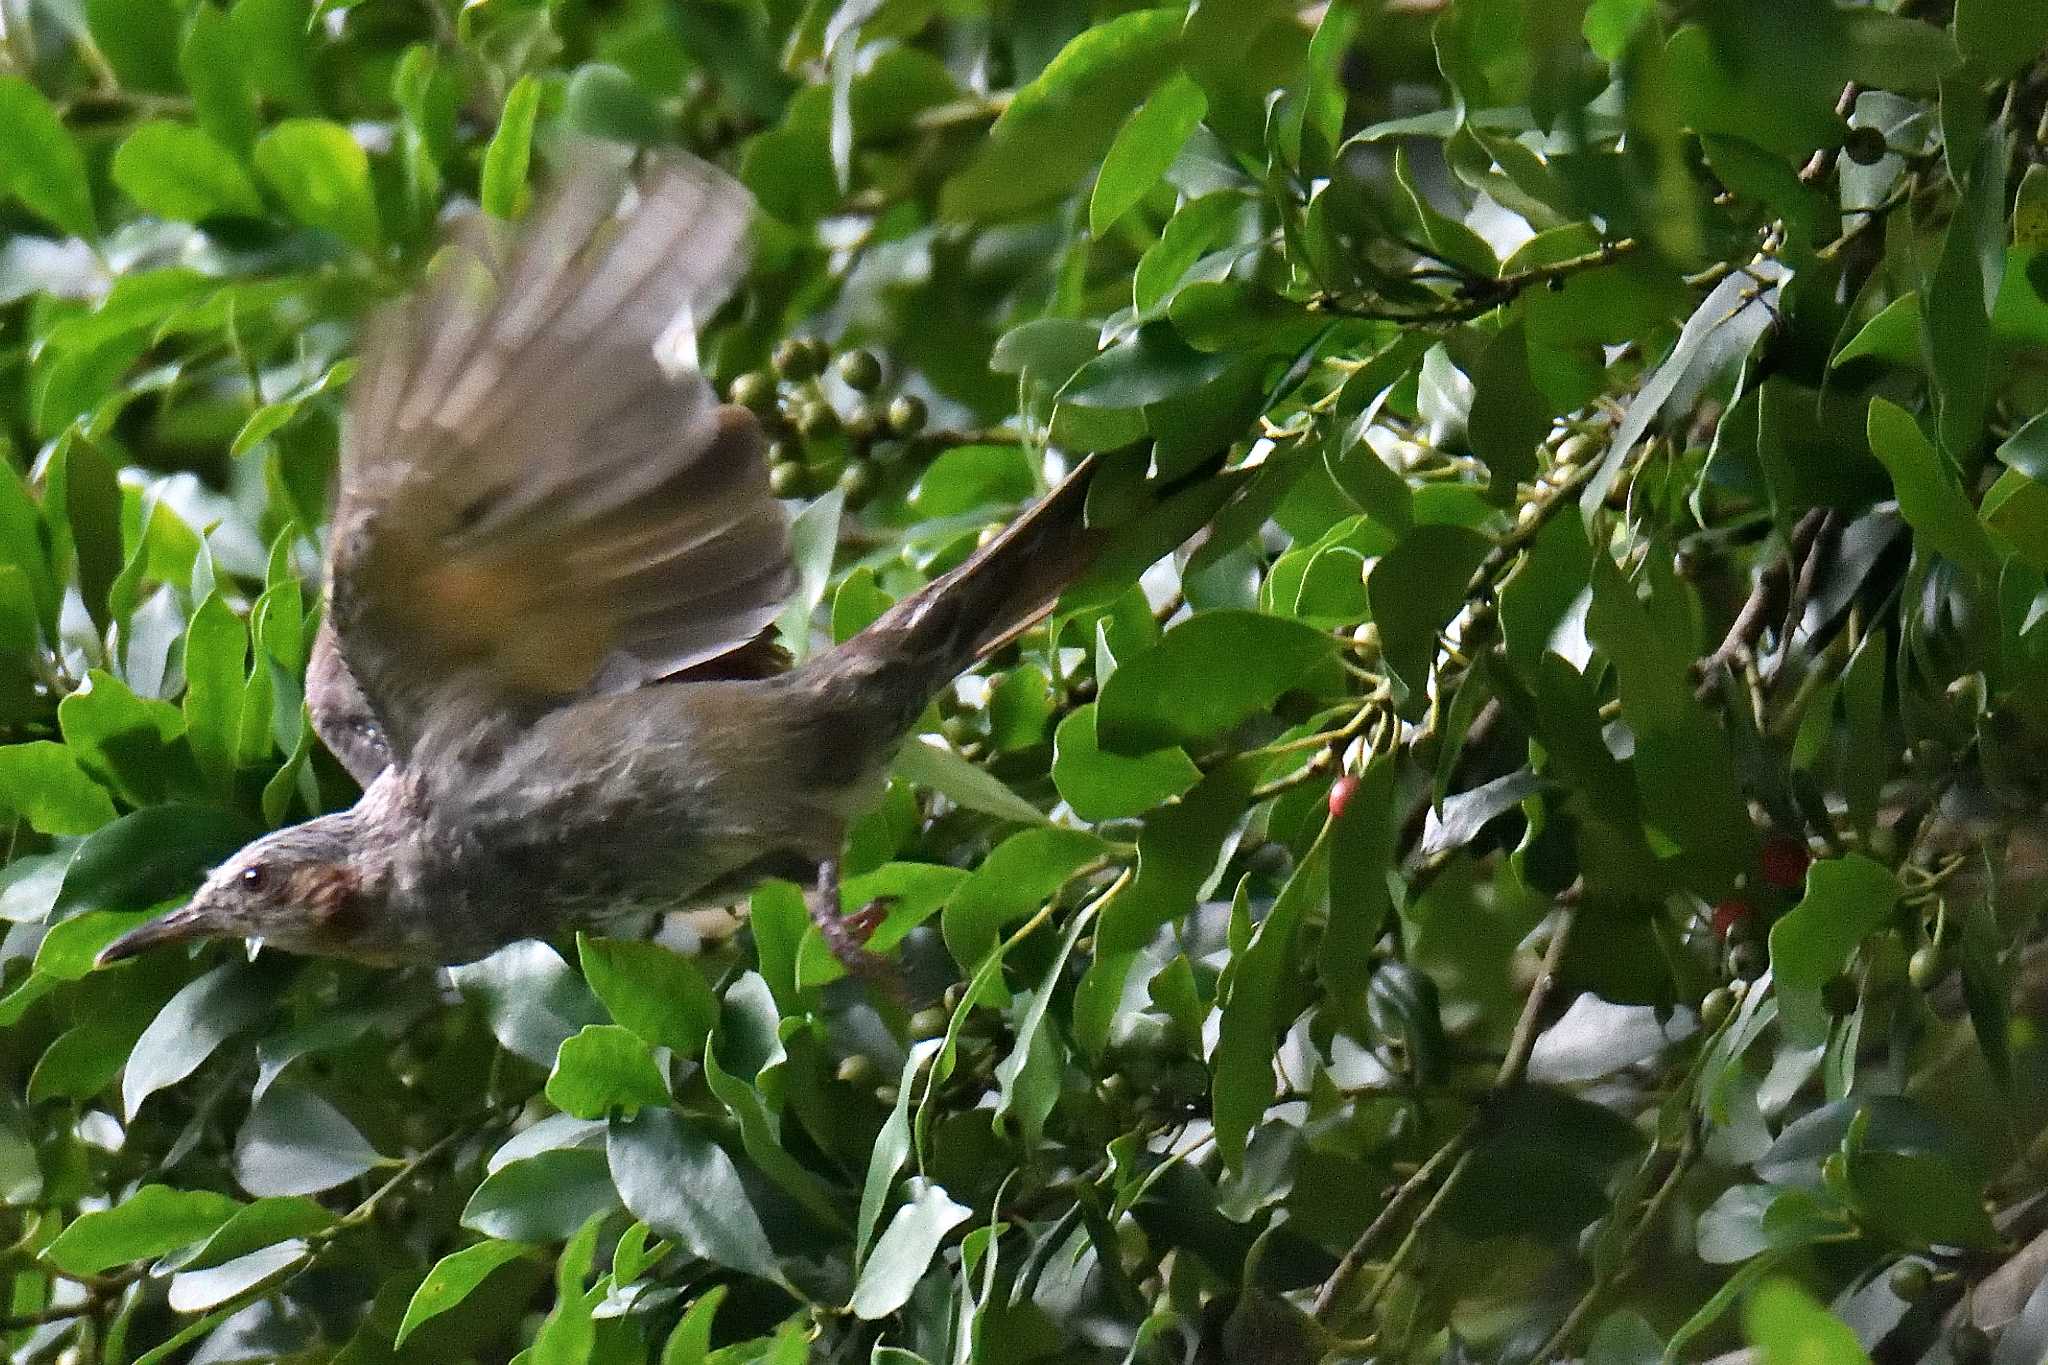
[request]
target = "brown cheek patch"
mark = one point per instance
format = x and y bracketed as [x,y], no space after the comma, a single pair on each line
[329,892]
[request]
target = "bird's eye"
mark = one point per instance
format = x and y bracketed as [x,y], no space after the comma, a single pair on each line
[253,877]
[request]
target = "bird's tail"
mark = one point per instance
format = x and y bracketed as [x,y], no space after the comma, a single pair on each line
[930,637]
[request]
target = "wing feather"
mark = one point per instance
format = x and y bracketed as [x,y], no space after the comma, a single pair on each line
[532,508]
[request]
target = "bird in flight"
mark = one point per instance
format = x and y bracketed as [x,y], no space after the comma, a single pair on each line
[552,573]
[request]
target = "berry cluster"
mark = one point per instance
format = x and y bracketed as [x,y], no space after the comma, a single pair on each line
[812,443]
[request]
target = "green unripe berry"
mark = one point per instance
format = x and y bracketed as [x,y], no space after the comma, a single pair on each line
[988,535]
[906,415]
[753,390]
[1715,1008]
[1864,146]
[817,420]
[1911,1279]
[1969,1343]
[929,1022]
[858,480]
[866,423]
[886,1094]
[860,371]
[1928,965]
[819,354]
[857,1069]
[795,360]
[786,479]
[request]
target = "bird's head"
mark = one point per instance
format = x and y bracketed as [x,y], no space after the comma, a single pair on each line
[303,889]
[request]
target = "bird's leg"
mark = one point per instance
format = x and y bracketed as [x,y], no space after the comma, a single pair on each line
[847,935]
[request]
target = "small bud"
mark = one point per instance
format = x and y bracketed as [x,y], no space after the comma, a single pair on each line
[988,535]
[817,420]
[866,422]
[753,390]
[1927,966]
[906,415]
[860,371]
[886,1094]
[858,481]
[795,360]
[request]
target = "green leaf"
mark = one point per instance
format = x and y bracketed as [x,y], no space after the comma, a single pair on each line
[273,40]
[216,654]
[531,999]
[453,1278]
[905,1250]
[1254,1012]
[1178,853]
[503,192]
[195,1291]
[1105,786]
[1414,591]
[179,172]
[41,165]
[1789,1328]
[968,477]
[295,1142]
[323,177]
[1893,335]
[1028,1079]
[690,1343]
[1931,497]
[124,740]
[1919,1200]
[542,1198]
[139,39]
[153,1220]
[1144,147]
[1057,128]
[1018,876]
[601,1068]
[218,79]
[1510,415]
[760,1134]
[924,764]
[684,1186]
[1846,899]
[658,994]
[150,854]
[603,100]
[263,1223]
[1363,852]
[2026,450]
[1204,677]
[43,783]
[1999,36]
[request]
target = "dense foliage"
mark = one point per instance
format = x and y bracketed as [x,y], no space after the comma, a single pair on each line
[1548,867]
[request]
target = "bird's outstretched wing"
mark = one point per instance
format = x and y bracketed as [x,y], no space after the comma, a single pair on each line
[532,508]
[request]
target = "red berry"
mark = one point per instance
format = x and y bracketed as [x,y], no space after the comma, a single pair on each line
[1729,915]
[1340,794]
[1784,862]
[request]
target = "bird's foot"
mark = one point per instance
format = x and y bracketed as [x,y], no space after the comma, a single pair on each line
[847,935]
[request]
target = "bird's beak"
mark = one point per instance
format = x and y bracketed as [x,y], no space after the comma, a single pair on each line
[180,926]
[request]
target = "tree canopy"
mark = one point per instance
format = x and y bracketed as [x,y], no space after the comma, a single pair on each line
[1538,857]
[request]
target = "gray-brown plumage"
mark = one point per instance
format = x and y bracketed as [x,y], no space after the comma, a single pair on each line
[551,567]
